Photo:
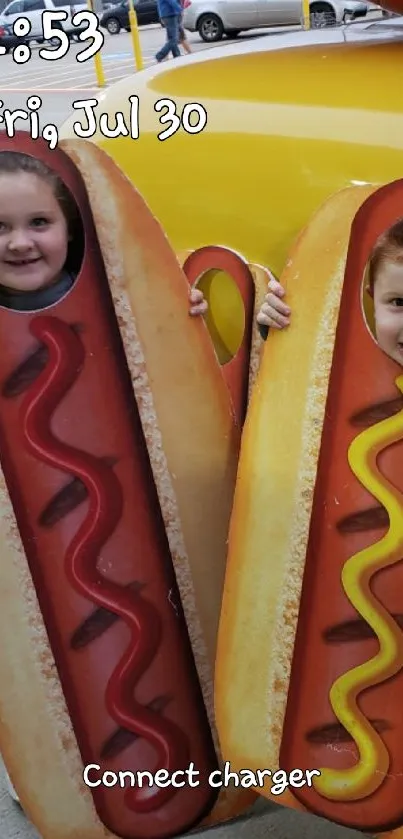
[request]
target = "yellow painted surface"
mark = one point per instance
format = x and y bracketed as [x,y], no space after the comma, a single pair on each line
[286,129]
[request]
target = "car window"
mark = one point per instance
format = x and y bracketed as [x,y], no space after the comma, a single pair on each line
[14,8]
[33,5]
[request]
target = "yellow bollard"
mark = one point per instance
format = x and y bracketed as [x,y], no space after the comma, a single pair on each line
[306,14]
[134,31]
[99,70]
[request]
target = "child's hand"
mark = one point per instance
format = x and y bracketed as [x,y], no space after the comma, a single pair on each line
[198,305]
[273,312]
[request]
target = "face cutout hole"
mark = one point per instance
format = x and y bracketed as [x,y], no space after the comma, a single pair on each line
[41,234]
[382,292]
[367,304]
[225,317]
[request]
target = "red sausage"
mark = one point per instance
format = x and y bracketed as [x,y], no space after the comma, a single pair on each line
[332,638]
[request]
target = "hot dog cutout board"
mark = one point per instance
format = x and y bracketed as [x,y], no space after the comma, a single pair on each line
[309,672]
[119,442]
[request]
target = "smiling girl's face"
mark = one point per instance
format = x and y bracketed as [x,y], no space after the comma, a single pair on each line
[33,233]
[388,308]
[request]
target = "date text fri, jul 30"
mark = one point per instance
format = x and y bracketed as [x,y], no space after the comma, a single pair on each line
[192,119]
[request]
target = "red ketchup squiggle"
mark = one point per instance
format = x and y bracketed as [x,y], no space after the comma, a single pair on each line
[66,358]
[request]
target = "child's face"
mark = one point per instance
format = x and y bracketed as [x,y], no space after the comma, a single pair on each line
[33,233]
[388,309]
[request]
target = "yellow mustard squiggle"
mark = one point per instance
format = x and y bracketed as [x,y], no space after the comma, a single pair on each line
[368,774]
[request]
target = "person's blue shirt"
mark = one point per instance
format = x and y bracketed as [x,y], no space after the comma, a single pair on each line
[167,8]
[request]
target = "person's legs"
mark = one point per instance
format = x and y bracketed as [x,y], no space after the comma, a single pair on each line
[183,40]
[162,22]
[172,29]
[163,49]
[175,37]
[186,46]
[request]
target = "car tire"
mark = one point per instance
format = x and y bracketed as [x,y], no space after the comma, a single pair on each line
[321,15]
[55,42]
[127,28]
[210,28]
[233,33]
[113,26]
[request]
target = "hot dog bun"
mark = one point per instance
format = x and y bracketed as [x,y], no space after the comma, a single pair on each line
[182,397]
[273,498]
[261,276]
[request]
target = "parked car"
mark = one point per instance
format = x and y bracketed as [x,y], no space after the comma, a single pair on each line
[117,17]
[388,26]
[214,18]
[33,10]
[7,37]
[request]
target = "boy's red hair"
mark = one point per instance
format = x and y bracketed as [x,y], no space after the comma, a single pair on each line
[387,248]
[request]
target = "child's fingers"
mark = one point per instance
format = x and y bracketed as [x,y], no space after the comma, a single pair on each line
[198,305]
[267,320]
[268,316]
[196,296]
[199,308]
[273,302]
[276,288]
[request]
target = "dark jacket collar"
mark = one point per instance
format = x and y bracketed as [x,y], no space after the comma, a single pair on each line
[34,300]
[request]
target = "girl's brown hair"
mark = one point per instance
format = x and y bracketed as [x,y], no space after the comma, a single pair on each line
[388,248]
[12,162]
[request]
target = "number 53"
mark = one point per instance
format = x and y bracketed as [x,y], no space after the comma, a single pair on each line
[53,31]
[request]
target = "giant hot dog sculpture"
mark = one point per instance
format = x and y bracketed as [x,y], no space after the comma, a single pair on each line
[119,437]
[316,541]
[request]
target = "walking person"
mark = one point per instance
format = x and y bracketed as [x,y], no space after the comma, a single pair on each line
[170,12]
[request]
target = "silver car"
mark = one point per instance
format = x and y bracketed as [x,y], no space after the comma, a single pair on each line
[214,18]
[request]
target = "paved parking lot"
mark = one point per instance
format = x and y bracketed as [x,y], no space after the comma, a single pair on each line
[41,76]
[116,56]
